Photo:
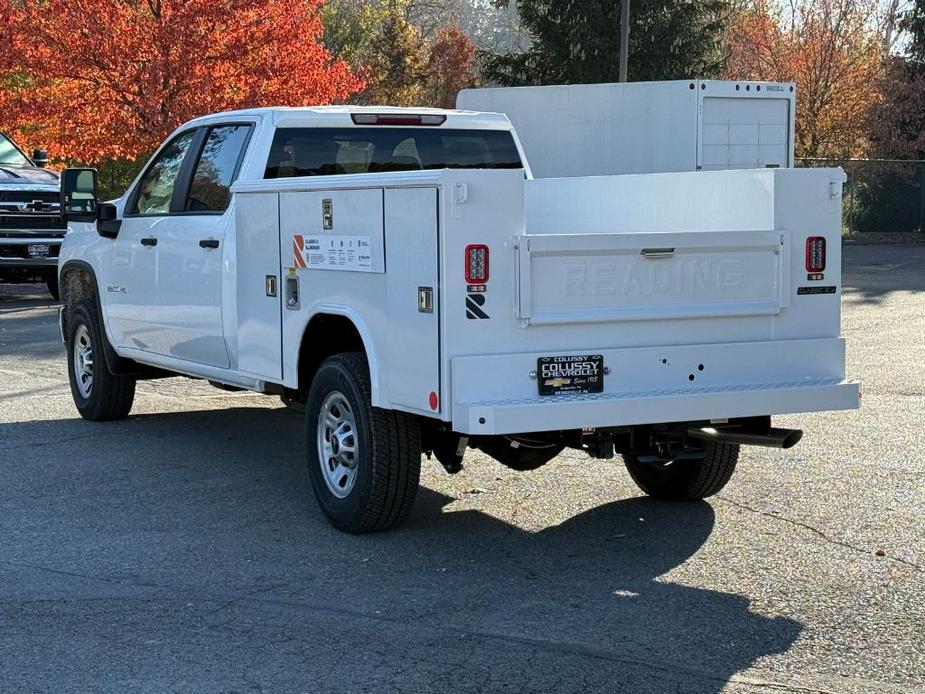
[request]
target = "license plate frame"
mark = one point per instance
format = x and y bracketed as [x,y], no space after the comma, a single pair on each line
[573,374]
[38,250]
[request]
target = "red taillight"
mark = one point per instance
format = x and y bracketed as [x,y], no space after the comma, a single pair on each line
[398,119]
[477,264]
[815,254]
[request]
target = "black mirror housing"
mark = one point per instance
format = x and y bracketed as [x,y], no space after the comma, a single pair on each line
[40,158]
[107,220]
[78,197]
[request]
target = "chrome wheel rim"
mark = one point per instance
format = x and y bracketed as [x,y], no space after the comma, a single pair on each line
[83,361]
[337,444]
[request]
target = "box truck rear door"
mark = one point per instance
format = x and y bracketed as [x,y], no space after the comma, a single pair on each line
[744,132]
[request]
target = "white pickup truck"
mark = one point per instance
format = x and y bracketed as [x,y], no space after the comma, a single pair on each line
[401,275]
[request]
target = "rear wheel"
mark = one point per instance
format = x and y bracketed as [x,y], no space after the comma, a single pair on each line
[689,477]
[98,394]
[364,462]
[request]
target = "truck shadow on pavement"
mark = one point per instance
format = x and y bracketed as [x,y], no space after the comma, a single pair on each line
[872,272]
[213,509]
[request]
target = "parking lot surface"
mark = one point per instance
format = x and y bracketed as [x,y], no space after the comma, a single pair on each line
[182,550]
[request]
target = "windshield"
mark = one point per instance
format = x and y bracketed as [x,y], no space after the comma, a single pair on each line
[329,151]
[10,154]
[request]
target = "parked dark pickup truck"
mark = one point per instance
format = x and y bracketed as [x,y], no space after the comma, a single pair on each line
[31,228]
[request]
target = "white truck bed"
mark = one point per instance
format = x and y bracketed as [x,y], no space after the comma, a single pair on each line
[713,329]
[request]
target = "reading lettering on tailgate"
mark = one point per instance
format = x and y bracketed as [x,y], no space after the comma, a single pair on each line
[695,278]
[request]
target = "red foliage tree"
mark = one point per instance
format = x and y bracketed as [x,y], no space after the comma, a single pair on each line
[97,79]
[451,66]
[832,49]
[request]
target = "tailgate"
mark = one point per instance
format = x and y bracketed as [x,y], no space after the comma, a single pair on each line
[601,277]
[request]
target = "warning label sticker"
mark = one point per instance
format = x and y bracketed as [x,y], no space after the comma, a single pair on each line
[350,253]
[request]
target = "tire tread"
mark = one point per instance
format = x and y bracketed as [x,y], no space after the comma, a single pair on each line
[395,448]
[112,395]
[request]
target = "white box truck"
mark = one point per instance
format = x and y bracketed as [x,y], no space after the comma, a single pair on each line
[646,127]
[400,274]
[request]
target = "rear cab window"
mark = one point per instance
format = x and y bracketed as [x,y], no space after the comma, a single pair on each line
[308,151]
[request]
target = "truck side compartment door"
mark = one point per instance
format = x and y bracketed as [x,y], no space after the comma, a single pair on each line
[412,299]
[259,290]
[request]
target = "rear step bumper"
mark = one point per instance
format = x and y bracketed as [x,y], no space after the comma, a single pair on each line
[565,412]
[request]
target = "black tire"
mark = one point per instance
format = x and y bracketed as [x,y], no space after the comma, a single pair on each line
[524,456]
[387,464]
[53,289]
[687,478]
[109,397]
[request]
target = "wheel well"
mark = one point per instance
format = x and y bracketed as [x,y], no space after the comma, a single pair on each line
[77,284]
[325,335]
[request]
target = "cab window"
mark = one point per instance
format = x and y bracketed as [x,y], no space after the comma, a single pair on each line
[376,149]
[155,189]
[217,168]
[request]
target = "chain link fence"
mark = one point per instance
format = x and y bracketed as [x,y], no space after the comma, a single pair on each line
[881,195]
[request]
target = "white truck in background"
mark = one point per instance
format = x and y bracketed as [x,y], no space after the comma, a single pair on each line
[647,127]
[401,274]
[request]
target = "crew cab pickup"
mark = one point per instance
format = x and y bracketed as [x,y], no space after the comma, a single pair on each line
[400,275]
[31,228]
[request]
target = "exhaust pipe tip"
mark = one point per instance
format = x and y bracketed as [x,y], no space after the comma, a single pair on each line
[772,438]
[791,437]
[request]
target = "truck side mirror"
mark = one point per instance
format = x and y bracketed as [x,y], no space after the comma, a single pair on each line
[78,195]
[40,158]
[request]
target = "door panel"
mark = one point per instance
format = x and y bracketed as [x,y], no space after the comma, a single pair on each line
[259,315]
[339,229]
[413,346]
[129,293]
[189,285]
[745,133]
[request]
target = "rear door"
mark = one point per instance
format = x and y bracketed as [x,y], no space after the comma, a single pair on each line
[744,132]
[190,249]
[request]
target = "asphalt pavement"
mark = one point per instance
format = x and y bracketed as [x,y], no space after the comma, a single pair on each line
[181,549]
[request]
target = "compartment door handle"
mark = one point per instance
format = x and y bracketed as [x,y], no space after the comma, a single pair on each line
[656,253]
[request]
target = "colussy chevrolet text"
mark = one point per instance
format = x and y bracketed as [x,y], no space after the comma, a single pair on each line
[401,276]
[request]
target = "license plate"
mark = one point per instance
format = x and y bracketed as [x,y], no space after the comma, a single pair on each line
[572,374]
[37,250]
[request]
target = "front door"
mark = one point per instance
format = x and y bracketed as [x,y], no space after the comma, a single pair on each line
[130,294]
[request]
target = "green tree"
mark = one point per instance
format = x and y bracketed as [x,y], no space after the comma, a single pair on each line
[913,22]
[578,41]
[395,66]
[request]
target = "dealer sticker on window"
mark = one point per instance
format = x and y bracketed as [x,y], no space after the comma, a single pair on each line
[571,374]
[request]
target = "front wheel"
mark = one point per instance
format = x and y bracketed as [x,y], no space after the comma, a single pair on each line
[364,462]
[688,477]
[99,395]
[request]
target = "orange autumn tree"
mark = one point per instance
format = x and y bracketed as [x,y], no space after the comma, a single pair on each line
[106,79]
[832,49]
